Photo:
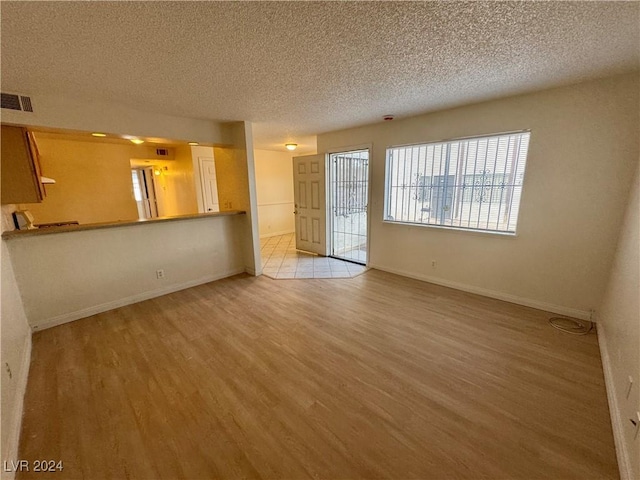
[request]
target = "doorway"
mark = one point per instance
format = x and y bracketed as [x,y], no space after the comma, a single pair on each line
[144,192]
[208,182]
[349,197]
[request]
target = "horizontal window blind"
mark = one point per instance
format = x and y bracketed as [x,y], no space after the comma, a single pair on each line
[473,183]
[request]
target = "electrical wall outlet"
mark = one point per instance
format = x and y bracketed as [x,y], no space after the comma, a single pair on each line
[433,264]
[159,274]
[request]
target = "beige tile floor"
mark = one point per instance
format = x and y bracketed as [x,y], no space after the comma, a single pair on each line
[281,260]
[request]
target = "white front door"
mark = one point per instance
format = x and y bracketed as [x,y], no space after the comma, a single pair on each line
[310,203]
[209,185]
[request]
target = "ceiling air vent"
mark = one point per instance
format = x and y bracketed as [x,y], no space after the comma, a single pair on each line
[160,153]
[16,102]
[26,103]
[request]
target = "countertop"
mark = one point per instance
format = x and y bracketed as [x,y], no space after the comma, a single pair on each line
[127,223]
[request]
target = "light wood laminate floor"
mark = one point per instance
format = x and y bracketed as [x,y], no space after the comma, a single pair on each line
[376,376]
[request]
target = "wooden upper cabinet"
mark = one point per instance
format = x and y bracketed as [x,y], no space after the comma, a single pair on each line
[20,174]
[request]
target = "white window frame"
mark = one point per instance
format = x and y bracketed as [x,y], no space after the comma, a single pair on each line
[516,139]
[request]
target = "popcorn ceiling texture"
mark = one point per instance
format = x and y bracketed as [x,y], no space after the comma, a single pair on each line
[302,68]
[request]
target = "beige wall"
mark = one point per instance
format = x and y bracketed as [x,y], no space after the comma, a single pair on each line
[274,188]
[93,181]
[583,151]
[66,276]
[243,139]
[235,176]
[231,178]
[180,190]
[16,348]
[619,332]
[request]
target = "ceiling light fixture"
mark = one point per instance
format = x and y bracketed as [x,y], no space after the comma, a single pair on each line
[194,144]
[291,146]
[97,134]
[137,141]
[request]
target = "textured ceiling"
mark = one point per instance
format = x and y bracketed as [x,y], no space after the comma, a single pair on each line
[300,68]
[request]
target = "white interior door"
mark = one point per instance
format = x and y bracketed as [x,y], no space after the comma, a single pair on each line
[209,184]
[310,203]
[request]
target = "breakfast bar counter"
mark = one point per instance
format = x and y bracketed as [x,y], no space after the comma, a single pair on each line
[127,223]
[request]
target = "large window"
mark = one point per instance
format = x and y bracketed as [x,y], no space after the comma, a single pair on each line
[472,183]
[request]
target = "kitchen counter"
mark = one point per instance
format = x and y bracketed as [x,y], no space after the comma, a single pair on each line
[128,223]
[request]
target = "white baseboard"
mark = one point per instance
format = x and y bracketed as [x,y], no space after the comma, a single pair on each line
[624,463]
[547,307]
[103,307]
[276,234]
[13,439]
